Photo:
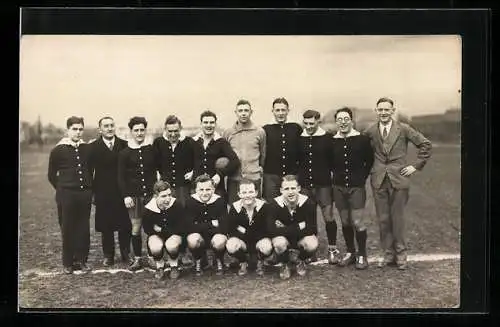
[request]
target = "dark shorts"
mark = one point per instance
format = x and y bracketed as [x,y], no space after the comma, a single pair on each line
[271,186]
[137,210]
[349,197]
[322,195]
[182,193]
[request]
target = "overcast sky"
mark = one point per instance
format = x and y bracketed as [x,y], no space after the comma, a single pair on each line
[154,76]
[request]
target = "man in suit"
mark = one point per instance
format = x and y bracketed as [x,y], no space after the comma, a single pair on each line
[110,211]
[390,178]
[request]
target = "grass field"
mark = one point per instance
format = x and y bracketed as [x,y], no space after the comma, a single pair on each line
[433,226]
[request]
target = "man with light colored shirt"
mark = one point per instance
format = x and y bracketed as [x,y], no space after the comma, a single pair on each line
[390,178]
[249,143]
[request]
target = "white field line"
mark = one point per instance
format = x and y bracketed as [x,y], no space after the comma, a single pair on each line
[411,258]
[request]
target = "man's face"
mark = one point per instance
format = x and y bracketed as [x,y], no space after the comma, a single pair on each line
[290,191]
[107,128]
[173,132]
[280,112]
[208,125]
[311,125]
[344,122]
[247,194]
[384,112]
[205,190]
[163,198]
[138,132]
[243,113]
[75,132]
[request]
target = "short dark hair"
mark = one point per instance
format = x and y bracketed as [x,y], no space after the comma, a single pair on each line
[280,100]
[208,113]
[289,178]
[246,181]
[160,186]
[344,109]
[136,121]
[243,101]
[172,119]
[311,114]
[385,99]
[105,117]
[74,120]
[202,179]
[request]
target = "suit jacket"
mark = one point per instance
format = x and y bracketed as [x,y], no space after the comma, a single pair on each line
[110,211]
[390,155]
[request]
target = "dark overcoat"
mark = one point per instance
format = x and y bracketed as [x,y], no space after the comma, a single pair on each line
[110,211]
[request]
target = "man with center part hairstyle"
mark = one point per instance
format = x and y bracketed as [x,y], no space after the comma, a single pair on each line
[282,139]
[210,146]
[174,156]
[164,224]
[315,175]
[390,178]
[136,175]
[206,214]
[249,143]
[352,162]
[293,227]
[70,173]
[247,228]
[110,211]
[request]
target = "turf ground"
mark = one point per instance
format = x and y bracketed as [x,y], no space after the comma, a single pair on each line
[433,227]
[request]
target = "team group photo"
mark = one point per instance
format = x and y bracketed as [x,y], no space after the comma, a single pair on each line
[239,172]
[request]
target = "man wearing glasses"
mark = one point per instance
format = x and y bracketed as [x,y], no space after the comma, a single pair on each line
[352,162]
[390,178]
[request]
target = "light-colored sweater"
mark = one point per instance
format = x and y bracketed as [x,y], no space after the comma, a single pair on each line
[249,143]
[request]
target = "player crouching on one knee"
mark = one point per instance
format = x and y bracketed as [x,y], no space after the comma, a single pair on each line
[163,223]
[247,228]
[206,213]
[292,223]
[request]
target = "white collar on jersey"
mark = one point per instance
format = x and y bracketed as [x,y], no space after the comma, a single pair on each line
[280,200]
[153,206]
[238,205]
[353,132]
[319,132]
[212,199]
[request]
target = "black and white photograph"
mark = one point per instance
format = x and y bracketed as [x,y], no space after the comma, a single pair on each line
[240,171]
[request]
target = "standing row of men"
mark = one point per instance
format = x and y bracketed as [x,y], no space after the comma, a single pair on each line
[121,175]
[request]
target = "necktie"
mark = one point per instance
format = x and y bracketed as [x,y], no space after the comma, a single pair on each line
[110,145]
[384,133]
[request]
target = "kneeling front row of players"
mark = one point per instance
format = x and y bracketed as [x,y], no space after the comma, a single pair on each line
[286,227]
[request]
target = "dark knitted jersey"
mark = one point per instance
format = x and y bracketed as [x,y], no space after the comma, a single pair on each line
[315,160]
[171,221]
[282,148]
[352,160]
[305,211]
[173,165]
[136,171]
[241,226]
[203,217]
[70,167]
[204,158]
